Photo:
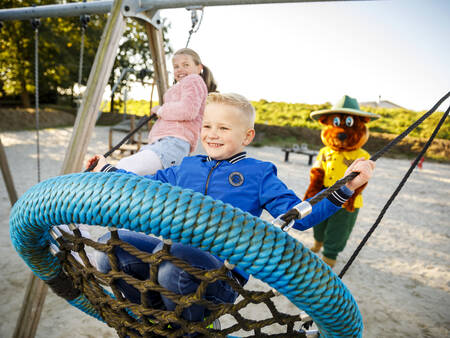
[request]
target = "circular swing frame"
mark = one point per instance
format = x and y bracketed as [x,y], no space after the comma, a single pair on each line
[181,215]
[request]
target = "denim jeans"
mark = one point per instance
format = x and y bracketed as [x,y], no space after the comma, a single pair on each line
[169,276]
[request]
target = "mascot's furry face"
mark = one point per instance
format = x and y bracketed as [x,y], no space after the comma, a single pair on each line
[344,132]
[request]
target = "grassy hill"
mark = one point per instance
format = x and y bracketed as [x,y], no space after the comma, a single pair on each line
[277,123]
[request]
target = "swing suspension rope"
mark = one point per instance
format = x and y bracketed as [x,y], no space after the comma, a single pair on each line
[195,21]
[286,220]
[395,193]
[141,123]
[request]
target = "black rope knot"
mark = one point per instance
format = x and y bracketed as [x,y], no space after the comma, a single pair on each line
[63,286]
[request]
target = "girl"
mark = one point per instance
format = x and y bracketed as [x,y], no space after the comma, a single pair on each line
[175,134]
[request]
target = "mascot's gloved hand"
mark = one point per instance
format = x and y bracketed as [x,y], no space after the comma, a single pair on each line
[316,176]
[350,204]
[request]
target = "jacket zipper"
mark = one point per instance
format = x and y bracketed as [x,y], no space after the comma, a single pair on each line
[209,176]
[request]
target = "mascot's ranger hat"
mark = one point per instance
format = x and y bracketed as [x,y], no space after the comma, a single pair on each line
[346,105]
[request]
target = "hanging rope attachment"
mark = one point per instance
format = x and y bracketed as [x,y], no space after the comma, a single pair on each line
[195,21]
[286,221]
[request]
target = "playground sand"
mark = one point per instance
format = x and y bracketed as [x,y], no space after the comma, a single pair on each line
[400,280]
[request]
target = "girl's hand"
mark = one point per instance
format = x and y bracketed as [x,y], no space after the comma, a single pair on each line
[365,169]
[101,162]
[155,110]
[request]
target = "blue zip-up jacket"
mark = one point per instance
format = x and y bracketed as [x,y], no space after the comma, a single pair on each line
[246,183]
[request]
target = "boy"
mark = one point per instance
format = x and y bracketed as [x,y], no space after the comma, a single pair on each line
[228,175]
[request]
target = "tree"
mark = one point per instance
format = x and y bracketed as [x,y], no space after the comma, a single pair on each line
[59,53]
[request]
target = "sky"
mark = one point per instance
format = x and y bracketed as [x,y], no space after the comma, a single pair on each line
[317,52]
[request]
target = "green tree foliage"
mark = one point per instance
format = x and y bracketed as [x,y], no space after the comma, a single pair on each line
[396,120]
[392,121]
[59,55]
[59,50]
[134,54]
[287,114]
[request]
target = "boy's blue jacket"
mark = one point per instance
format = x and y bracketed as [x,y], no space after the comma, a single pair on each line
[245,183]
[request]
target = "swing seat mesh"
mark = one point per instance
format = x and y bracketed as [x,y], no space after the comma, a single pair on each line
[180,215]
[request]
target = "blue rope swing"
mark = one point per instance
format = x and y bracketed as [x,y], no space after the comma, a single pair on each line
[182,215]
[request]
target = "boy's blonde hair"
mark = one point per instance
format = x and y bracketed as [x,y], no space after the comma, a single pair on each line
[235,100]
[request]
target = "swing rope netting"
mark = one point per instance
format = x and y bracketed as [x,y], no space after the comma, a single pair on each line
[135,203]
[138,204]
[160,319]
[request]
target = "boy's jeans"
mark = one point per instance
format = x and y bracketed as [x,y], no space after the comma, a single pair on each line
[169,276]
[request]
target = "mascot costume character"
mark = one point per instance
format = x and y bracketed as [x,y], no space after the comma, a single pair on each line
[344,133]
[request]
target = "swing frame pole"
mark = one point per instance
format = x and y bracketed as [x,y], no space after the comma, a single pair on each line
[156,46]
[129,6]
[36,291]
[7,177]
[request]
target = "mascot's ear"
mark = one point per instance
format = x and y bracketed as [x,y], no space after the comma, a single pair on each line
[365,119]
[323,119]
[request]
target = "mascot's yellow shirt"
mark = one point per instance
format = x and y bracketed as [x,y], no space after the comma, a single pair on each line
[335,163]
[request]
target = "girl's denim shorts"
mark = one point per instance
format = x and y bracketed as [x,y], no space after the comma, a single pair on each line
[171,150]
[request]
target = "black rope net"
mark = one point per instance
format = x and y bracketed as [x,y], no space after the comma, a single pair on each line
[141,320]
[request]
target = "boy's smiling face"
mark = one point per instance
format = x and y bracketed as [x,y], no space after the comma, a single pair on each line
[225,131]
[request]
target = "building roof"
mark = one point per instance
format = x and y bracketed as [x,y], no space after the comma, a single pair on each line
[381,104]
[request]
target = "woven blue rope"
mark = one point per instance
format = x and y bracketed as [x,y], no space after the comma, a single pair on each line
[138,204]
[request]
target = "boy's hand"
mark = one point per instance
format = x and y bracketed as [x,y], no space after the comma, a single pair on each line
[365,169]
[101,162]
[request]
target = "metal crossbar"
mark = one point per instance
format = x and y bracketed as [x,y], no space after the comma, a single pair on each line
[104,6]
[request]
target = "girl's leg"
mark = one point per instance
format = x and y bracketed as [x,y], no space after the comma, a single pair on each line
[131,265]
[144,162]
[180,282]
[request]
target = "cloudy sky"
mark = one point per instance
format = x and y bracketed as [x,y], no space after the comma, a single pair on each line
[317,52]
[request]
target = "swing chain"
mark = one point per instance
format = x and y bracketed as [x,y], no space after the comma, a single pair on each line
[35,23]
[84,20]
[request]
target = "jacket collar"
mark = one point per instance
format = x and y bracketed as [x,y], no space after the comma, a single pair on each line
[233,159]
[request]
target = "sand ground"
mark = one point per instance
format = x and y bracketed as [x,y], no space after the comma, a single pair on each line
[400,280]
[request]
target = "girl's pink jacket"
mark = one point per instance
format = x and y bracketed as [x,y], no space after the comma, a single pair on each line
[182,112]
